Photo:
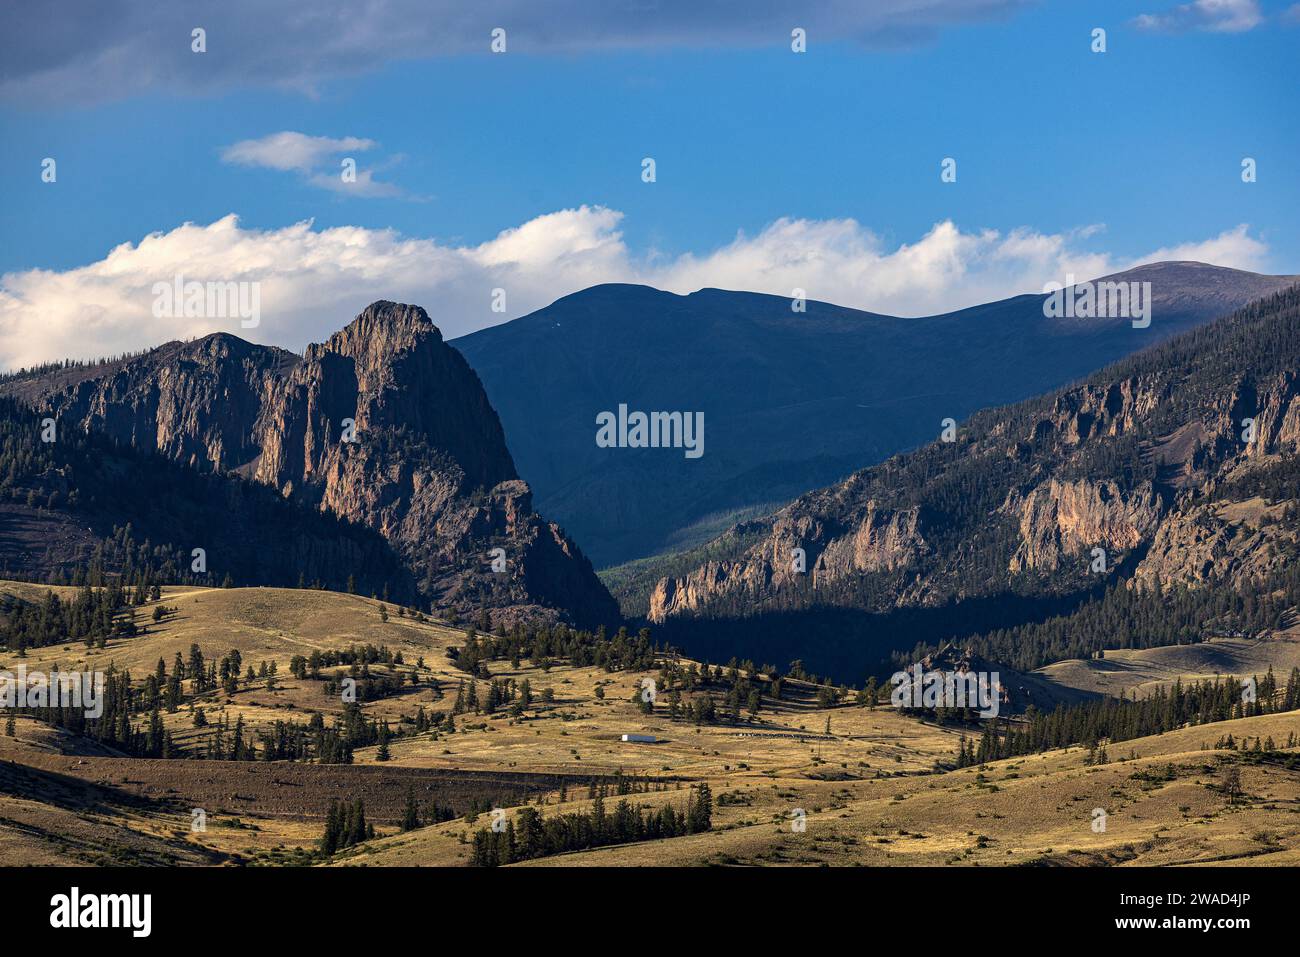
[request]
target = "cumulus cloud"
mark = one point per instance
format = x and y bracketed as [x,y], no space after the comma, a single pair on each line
[1234,247]
[312,281]
[87,50]
[1211,16]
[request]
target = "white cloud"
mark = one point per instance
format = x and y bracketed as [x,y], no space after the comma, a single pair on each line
[318,159]
[1211,16]
[313,281]
[1233,247]
[292,151]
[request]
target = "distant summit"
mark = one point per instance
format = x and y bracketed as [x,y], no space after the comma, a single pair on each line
[791,400]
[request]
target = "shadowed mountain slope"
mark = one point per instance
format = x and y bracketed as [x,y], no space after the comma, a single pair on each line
[1179,468]
[791,400]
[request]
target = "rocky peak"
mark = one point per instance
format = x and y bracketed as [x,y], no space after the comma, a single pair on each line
[390,369]
[380,333]
[426,465]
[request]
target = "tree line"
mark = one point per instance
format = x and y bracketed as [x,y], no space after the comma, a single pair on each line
[1121,719]
[530,835]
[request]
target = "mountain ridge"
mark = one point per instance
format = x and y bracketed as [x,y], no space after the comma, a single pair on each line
[791,400]
[1146,459]
[383,424]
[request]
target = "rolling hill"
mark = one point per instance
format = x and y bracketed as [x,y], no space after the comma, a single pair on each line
[869,785]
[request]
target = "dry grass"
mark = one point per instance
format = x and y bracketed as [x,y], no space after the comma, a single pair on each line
[1127,670]
[869,789]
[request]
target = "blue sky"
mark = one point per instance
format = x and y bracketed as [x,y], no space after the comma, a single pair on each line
[1116,154]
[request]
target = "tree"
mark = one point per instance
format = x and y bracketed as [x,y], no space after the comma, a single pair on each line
[195,668]
[1232,784]
[329,842]
[410,816]
[358,831]
[699,811]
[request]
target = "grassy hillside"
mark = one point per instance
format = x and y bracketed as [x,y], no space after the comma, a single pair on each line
[869,781]
[1126,670]
[1164,806]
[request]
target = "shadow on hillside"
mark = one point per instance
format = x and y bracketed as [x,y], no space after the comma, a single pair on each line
[847,644]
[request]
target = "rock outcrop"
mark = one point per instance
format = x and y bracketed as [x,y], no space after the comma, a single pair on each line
[823,540]
[1235,541]
[383,425]
[1180,463]
[1057,519]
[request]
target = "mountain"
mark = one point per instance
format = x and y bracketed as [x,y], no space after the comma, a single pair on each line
[791,400]
[83,504]
[384,426]
[1155,502]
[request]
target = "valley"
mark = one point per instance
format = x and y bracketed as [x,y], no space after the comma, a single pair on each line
[868,785]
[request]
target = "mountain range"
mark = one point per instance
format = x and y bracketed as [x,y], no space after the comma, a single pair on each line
[1153,502]
[377,461]
[791,400]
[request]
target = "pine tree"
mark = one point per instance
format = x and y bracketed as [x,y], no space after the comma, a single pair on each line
[411,816]
[359,830]
[329,842]
[1232,784]
[699,813]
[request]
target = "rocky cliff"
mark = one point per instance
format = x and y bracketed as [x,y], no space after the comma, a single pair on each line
[1057,520]
[384,425]
[1179,464]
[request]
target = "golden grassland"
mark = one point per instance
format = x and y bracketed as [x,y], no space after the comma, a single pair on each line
[1126,671]
[1164,806]
[868,790]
